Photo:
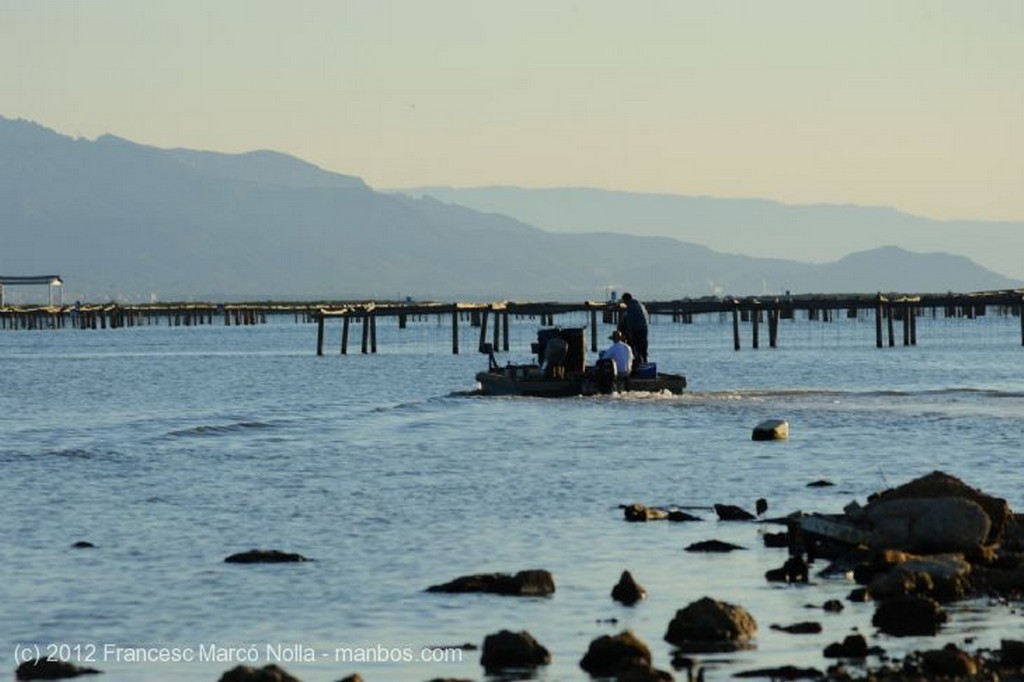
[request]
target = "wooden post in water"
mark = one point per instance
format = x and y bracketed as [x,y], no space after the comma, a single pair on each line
[496,335]
[366,333]
[1020,309]
[888,321]
[736,326]
[344,333]
[455,329]
[593,330]
[373,332]
[913,325]
[773,327]
[755,315]
[320,336]
[878,323]
[504,332]
[906,325]
[481,320]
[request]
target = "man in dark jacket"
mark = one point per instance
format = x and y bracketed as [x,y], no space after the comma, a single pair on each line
[634,326]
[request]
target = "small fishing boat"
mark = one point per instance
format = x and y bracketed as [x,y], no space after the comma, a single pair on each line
[571,377]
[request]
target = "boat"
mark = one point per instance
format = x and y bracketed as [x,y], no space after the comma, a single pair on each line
[572,377]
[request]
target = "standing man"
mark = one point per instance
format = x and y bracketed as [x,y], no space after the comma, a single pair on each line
[634,325]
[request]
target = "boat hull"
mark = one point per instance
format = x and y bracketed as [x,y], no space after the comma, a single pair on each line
[527,381]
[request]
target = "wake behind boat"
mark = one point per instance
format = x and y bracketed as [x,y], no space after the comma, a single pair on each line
[572,376]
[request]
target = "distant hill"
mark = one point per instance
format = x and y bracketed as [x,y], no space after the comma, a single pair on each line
[757,227]
[124,221]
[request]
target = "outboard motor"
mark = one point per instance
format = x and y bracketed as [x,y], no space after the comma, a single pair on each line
[604,375]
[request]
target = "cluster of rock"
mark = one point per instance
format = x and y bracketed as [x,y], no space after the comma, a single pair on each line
[911,549]
[924,544]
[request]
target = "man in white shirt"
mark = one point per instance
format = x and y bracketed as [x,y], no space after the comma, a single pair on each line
[621,354]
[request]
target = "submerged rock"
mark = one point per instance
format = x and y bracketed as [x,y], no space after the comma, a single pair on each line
[264,556]
[506,650]
[793,571]
[530,583]
[268,673]
[628,591]
[730,512]
[804,628]
[832,606]
[712,546]
[786,672]
[707,625]
[678,515]
[43,669]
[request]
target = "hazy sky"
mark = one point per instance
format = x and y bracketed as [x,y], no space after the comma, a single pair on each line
[906,103]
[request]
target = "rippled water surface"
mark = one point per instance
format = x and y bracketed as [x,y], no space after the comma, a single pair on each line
[170,449]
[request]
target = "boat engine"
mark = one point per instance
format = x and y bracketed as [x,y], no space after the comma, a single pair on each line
[604,375]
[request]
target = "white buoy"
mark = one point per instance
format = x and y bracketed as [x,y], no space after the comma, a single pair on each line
[771,429]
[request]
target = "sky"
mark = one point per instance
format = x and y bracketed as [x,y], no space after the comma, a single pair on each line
[914,104]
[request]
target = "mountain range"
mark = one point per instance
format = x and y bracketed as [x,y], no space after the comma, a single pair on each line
[124,221]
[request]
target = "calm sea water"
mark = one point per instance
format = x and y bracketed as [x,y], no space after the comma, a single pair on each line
[170,449]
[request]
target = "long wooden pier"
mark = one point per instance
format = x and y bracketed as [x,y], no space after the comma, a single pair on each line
[116,316]
[890,312]
[887,309]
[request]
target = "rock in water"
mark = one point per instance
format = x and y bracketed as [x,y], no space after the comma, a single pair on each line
[771,429]
[628,591]
[730,512]
[530,583]
[43,669]
[928,525]
[610,655]
[909,616]
[247,673]
[506,650]
[264,556]
[708,625]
